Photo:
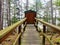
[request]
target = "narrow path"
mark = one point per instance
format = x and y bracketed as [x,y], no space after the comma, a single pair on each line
[31,36]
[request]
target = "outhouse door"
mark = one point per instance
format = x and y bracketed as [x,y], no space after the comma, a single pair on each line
[30,15]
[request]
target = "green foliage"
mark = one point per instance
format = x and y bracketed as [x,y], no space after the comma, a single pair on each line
[57,3]
[46,18]
[14,19]
[58,19]
[58,24]
[39,5]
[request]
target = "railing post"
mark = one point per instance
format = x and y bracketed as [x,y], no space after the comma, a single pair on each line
[19,31]
[36,25]
[24,26]
[44,31]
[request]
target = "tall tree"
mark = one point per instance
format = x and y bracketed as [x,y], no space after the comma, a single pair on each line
[8,12]
[1,16]
[38,7]
[9,21]
[27,3]
[57,4]
[52,12]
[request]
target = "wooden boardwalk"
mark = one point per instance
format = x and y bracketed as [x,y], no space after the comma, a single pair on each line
[31,36]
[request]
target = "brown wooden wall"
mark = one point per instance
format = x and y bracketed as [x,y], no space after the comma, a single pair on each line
[30,15]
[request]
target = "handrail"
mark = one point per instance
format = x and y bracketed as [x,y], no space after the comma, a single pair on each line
[56,28]
[5,31]
[51,43]
[46,37]
[17,39]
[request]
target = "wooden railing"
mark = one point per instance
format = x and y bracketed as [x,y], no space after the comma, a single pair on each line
[45,24]
[7,31]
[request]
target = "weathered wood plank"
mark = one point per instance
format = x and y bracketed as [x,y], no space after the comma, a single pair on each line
[31,36]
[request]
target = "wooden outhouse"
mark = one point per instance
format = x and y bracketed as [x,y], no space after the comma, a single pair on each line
[30,15]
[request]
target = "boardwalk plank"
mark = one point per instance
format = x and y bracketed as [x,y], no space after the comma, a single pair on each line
[31,36]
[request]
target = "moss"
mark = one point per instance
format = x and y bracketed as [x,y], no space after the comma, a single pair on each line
[57,39]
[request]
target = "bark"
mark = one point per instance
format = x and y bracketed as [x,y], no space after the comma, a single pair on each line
[52,13]
[59,12]
[55,16]
[27,4]
[1,17]
[8,13]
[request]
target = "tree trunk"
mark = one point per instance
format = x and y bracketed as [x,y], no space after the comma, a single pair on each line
[55,16]
[1,19]
[52,12]
[8,13]
[27,4]
[59,12]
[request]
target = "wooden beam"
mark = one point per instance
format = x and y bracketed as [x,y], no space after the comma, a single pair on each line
[7,31]
[54,27]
